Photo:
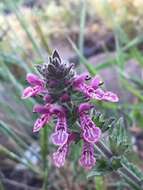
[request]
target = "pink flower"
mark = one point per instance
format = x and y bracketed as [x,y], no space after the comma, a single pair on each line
[80,80]
[93,89]
[37,86]
[87,159]
[99,94]
[59,156]
[96,82]
[41,122]
[65,97]
[110,96]
[47,98]
[91,133]
[44,118]
[46,109]
[34,80]
[58,89]
[60,136]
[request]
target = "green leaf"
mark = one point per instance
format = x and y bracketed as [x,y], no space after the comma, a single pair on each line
[101,122]
[116,162]
[118,138]
[101,168]
[99,181]
[133,168]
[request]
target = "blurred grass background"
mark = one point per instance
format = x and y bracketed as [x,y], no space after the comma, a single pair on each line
[104,38]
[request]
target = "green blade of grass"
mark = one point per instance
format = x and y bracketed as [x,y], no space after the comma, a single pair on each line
[11,59]
[12,156]
[41,36]
[82,25]
[17,85]
[89,66]
[5,129]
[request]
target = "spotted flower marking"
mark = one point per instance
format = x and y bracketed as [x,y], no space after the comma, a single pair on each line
[87,159]
[59,156]
[60,136]
[91,133]
[93,90]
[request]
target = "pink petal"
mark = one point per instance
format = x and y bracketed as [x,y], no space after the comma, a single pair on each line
[41,122]
[48,98]
[34,80]
[60,155]
[87,160]
[60,137]
[92,135]
[42,109]
[110,96]
[96,81]
[80,79]
[98,94]
[65,97]
[58,159]
[31,91]
[28,92]
[58,110]
[84,107]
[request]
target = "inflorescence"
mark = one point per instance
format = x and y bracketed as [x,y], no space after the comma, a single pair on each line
[66,99]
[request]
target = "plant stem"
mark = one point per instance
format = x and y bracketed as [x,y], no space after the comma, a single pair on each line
[44,152]
[45,183]
[124,171]
[1,186]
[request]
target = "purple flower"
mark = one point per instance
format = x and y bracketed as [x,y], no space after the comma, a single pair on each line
[91,133]
[60,136]
[44,118]
[99,94]
[47,98]
[60,155]
[80,80]
[110,96]
[37,86]
[87,159]
[96,82]
[65,97]
[46,109]
[93,89]
[41,122]
[58,89]
[34,80]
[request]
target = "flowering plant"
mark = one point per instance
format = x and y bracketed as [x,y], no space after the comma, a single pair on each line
[67,100]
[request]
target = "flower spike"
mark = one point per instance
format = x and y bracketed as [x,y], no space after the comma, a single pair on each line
[58,86]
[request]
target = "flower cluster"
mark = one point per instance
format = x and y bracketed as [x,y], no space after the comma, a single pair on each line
[57,84]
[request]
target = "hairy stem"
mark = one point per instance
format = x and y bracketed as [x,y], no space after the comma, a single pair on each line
[124,171]
[44,152]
